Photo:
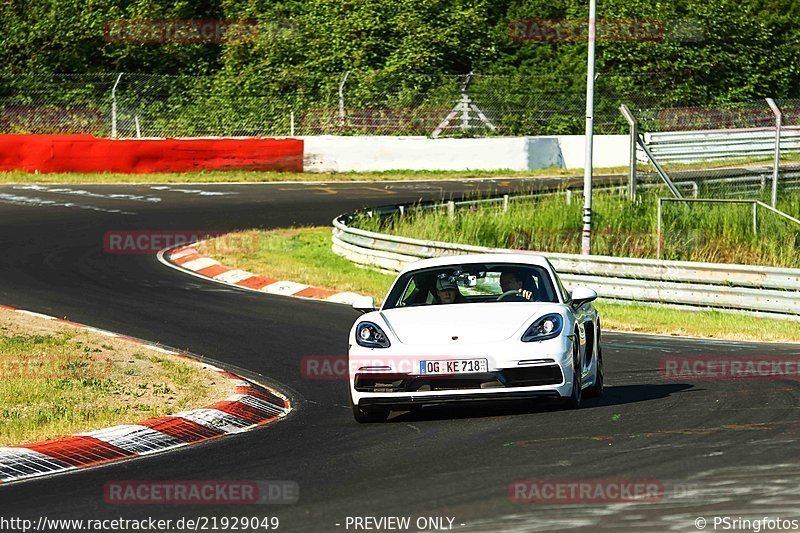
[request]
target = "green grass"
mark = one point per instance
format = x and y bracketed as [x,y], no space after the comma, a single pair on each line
[304,255]
[58,383]
[247,176]
[691,232]
[234,176]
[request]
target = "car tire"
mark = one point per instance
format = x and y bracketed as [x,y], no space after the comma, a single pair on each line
[368,416]
[574,399]
[597,389]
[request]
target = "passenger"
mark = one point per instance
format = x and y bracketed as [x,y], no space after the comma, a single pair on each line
[447,291]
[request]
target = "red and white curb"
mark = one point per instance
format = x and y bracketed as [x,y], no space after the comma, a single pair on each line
[189,260]
[251,406]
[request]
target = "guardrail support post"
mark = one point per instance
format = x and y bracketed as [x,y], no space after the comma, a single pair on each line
[628,114]
[505,203]
[755,218]
[568,196]
[776,165]
[659,169]
[451,209]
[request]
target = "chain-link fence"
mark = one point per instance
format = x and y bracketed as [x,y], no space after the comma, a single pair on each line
[349,103]
[724,151]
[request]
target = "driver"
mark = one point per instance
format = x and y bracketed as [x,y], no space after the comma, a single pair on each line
[447,291]
[510,281]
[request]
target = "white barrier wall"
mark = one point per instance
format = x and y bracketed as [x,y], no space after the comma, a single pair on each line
[379,153]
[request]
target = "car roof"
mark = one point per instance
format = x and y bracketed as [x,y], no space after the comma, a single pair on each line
[447,260]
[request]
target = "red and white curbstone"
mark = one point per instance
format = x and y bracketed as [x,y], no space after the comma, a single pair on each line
[188,259]
[251,406]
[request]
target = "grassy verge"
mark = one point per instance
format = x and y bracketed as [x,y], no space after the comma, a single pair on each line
[234,176]
[246,176]
[717,233]
[304,255]
[57,380]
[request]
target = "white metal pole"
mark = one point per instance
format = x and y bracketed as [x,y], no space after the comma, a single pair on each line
[776,165]
[658,231]
[586,241]
[626,112]
[341,98]
[114,107]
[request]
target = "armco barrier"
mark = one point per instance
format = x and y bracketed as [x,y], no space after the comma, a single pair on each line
[86,153]
[693,146]
[768,290]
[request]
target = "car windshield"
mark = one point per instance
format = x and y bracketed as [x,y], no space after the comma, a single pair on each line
[472,283]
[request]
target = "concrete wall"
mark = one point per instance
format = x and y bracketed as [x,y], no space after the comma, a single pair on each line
[378,153]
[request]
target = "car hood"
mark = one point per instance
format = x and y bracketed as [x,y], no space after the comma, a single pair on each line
[471,323]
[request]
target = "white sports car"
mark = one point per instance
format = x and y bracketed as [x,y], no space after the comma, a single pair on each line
[474,327]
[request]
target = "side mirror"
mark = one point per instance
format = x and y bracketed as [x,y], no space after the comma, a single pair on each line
[582,295]
[364,304]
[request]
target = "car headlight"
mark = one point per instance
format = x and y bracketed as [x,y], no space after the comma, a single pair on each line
[369,335]
[546,327]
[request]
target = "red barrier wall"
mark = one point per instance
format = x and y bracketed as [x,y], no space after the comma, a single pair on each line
[86,153]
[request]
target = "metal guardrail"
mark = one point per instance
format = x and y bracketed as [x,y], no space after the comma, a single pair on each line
[709,145]
[766,290]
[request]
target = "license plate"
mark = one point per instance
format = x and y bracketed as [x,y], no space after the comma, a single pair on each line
[453,366]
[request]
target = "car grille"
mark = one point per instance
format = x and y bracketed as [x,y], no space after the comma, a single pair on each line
[511,377]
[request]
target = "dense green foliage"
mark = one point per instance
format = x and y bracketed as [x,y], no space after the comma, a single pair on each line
[399,50]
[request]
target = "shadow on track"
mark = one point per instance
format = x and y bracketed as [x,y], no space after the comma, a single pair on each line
[613,395]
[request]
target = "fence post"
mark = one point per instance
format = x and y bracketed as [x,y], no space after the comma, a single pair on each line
[755,218]
[626,112]
[451,209]
[114,107]
[776,165]
[505,203]
[291,124]
[341,98]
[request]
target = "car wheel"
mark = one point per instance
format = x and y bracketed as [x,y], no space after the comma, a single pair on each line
[599,373]
[368,416]
[574,400]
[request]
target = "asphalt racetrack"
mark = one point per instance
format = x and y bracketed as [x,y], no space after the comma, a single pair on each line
[717,447]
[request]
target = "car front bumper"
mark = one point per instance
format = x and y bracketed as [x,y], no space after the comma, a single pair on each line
[537,370]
